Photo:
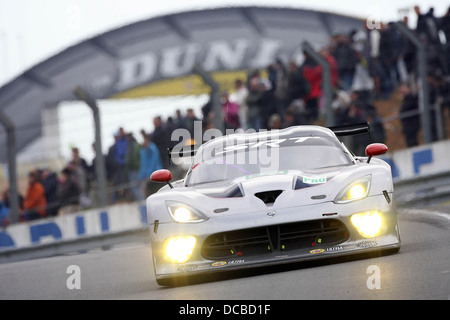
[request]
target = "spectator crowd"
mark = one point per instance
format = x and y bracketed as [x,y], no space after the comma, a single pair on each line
[366,65]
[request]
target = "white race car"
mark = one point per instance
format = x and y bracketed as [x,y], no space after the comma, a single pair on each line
[269,198]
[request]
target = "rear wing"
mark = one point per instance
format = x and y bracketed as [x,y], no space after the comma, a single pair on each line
[351,129]
[186,151]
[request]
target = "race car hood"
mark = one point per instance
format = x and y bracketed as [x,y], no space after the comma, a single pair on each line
[271,190]
[279,180]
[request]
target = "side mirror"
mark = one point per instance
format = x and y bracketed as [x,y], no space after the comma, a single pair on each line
[162,175]
[375,149]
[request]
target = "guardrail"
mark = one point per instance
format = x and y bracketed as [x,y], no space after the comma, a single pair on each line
[423,189]
[97,228]
[78,245]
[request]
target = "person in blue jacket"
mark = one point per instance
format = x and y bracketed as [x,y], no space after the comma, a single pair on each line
[4,213]
[5,209]
[150,161]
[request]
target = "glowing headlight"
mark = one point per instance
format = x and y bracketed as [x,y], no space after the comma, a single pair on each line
[357,190]
[179,249]
[182,213]
[368,224]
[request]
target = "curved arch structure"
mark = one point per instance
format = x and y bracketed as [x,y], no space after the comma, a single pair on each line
[123,62]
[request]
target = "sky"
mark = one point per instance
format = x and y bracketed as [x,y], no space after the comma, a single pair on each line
[34,30]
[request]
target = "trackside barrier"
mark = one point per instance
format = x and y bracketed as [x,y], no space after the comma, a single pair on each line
[420,161]
[77,245]
[100,228]
[423,190]
[419,173]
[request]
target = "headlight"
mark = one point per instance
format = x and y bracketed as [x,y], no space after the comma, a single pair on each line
[182,213]
[179,249]
[368,224]
[357,190]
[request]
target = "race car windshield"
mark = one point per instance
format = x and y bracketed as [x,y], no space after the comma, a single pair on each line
[260,157]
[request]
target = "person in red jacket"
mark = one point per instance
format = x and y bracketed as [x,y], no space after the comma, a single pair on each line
[312,71]
[35,202]
[325,52]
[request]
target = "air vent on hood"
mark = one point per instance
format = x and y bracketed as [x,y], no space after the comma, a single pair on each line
[233,191]
[268,197]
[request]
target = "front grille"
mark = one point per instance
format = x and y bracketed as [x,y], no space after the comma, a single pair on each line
[274,239]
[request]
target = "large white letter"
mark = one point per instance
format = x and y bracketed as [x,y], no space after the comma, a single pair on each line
[177,61]
[222,54]
[266,54]
[136,70]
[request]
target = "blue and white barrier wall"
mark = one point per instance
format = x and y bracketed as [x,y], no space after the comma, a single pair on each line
[84,224]
[419,161]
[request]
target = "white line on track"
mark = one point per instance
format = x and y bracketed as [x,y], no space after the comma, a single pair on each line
[442,218]
[425,212]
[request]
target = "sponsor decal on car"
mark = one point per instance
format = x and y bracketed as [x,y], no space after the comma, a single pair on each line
[338,248]
[367,244]
[187,267]
[219,263]
[316,251]
[314,180]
